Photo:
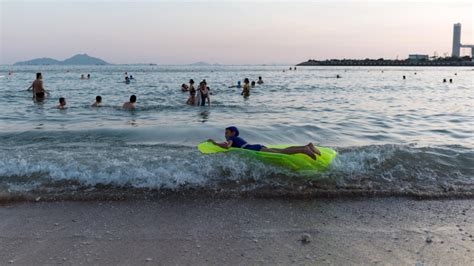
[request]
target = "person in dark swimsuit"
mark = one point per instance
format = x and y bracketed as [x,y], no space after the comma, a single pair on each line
[192,93]
[233,140]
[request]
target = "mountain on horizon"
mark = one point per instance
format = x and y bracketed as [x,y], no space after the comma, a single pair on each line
[202,63]
[79,59]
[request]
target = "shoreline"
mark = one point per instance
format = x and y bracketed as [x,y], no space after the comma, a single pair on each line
[199,230]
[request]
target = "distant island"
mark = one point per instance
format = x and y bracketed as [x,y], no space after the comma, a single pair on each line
[413,60]
[200,63]
[79,59]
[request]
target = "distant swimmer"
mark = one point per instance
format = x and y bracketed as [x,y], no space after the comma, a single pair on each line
[131,104]
[450,80]
[291,68]
[233,140]
[131,77]
[98,102]
[294,68]
[88,76]
[127,80]
[184,87]
[192,93]
[204,93]
[252,84]
[444,80]
[82,76]
[260,80]
[62,103]
[246,88]
[238,86]
[338,77]
[404,77]
[39,93]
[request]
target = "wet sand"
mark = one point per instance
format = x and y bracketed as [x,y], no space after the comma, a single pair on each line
[203,231]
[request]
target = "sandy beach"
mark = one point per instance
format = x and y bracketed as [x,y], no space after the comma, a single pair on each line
[203,231]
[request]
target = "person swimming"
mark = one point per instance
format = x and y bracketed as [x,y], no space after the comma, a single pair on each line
[88,76]
[130,105]
[252,84]
[260,80]
[131,77]
[98,102]
[184,87]
[127,80]
[246,88]
[192,93]
[233,140]
[62,103]
[82,76]
[39,93]
[238,86]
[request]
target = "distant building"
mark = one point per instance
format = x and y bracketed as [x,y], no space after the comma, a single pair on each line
[456,40]
[418,57]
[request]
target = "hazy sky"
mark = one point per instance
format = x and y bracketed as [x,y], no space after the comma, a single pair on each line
[230,32]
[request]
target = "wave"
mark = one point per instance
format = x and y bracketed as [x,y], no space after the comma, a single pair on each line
[106,168]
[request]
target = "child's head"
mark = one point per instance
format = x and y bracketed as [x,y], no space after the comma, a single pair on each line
[253,82]
[231,132]
[191,81]
[259,77]
[246,81]
[98,99]
[133,99]
[62,101]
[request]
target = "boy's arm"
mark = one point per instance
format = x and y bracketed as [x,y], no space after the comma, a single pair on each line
[224,145]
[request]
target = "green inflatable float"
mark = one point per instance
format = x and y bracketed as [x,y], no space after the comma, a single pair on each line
[298,162]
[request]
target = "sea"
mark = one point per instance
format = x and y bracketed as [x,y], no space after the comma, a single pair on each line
[394,137]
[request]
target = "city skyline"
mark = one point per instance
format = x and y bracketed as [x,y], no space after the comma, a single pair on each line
[231,32]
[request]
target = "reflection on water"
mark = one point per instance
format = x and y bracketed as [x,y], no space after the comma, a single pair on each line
[204,115]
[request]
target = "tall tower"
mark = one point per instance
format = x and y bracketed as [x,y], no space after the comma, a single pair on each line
[456,40]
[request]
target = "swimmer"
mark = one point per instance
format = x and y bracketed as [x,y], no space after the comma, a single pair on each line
[246,88]
[252,84]
[338,77]
[404,77]
[62,103]
[39,93]
[184,87]
[98,102]
[127,80]
[131,104]
[450,80]
[444,80]
[131,77]
[260,81]
[88,76]
[233,140]
[82,76]
[239,85]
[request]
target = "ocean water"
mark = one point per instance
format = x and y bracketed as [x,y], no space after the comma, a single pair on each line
[393,136]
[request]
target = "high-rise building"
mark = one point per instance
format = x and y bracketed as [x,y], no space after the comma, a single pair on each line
[456,40]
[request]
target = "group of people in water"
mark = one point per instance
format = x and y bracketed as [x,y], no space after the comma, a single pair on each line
[196,97]
[40,93]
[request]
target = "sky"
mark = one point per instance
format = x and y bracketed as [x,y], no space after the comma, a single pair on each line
[230,32]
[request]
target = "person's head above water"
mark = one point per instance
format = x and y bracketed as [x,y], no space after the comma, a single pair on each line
[259,77]
[133,99]
[246,81]
[98,99]
[39,75]
[231,132]
[191,81]
[62,101]
[238,82]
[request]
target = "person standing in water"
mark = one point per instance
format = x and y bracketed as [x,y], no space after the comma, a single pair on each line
[204,93]
[260,81]
[192,93]
[39,93]
[246,88]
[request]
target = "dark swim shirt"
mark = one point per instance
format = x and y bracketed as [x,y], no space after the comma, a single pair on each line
[237,142]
